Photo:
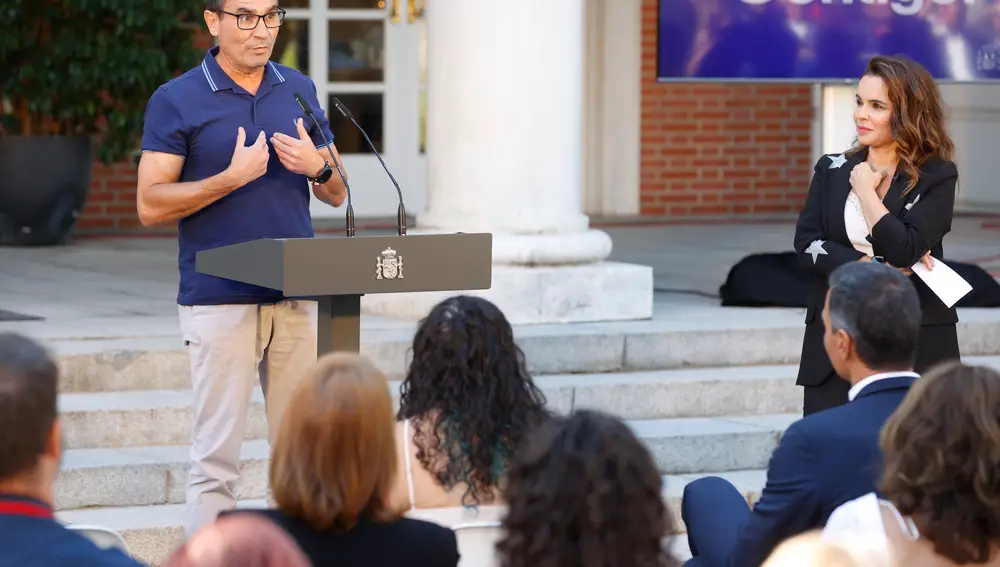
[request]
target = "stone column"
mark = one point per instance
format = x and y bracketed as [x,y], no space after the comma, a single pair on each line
[504,151]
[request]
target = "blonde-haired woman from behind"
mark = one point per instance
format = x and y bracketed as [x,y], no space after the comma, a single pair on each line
[333,466]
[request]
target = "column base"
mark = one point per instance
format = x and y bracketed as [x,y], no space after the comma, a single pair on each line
[549,249]
[604,291]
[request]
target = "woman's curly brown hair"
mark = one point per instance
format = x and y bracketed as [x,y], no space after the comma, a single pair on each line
[469,396]
[942,460]
[584,492]
[917,123]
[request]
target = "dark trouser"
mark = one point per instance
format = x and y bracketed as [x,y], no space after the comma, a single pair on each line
[714,512]
[937,344]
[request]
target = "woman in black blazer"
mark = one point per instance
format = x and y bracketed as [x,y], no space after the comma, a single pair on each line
[888,199]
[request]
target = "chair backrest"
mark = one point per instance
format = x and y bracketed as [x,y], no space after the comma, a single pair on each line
[477,543]
[104,538]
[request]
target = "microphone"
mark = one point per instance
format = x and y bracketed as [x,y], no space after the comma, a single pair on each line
[304,105]
[401,210]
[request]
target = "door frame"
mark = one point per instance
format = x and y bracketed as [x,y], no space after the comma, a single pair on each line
[612,107]
[372,193]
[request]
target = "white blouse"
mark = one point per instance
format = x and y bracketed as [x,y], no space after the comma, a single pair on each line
[857,226]
[859,524]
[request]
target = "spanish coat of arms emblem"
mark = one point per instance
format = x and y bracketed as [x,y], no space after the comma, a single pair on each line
[388,266]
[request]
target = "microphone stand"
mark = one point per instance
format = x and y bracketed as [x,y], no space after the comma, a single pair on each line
[326,143]
[400,210]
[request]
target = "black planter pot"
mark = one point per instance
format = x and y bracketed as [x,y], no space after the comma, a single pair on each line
[44,181]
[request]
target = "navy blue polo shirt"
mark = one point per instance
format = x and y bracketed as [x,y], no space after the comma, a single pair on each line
[197,115]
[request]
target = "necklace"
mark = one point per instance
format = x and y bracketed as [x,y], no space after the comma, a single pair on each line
[886,170]
[890,175]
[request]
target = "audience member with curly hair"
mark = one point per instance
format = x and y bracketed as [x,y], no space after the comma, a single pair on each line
[466,405]
[585,492]
[941,476]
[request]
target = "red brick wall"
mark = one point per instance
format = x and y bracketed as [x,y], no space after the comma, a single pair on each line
[720,149]
[111,203]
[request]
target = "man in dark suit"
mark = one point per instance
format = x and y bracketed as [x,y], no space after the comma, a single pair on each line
[29,461]
[872,320]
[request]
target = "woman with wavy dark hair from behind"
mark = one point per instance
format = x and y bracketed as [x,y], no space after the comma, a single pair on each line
[889,199]
[585,492]
[466,405]
[940,484]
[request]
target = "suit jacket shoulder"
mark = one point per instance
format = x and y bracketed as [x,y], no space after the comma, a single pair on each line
[827,162]
[835,169]
[935,169]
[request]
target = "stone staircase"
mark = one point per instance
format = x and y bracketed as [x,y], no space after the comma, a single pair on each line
[710,392]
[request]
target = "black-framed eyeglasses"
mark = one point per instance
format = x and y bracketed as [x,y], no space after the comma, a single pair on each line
[251,21]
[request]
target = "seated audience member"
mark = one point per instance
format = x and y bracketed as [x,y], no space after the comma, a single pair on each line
[585,492]
[872,320]
[30,450]
[466,404]
[332,467]
[940,486]
[239,541]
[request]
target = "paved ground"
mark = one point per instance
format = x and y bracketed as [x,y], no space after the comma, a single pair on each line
[104,288]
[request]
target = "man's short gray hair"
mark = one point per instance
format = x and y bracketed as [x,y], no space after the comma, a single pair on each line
[878,307]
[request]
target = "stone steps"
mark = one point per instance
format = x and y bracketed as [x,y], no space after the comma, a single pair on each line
[701,338]
[140,418]
[152,532]
[145,476]
[151,475]
[143,418]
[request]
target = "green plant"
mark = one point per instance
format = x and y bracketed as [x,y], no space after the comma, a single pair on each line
[72,67]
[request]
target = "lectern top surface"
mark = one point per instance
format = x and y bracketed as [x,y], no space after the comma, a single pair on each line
[325,266]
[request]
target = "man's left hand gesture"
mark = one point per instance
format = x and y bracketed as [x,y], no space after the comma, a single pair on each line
[298,155]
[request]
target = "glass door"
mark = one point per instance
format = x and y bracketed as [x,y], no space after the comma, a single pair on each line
[366,53]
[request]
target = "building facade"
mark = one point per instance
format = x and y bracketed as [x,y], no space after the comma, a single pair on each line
[657,150]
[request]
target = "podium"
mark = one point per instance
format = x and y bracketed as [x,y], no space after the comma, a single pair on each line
[337,271]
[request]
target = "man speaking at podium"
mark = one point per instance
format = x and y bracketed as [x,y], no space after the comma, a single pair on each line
[227,155]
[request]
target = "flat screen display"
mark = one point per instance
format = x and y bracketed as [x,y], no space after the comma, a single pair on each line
[825,40]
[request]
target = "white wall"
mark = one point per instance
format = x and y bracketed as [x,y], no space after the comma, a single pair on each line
[974,121]
[612,107]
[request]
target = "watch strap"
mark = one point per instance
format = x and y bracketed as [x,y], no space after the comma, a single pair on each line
[324,174]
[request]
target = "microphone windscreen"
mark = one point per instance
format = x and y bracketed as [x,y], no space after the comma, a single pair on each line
[303,104]
[342,108]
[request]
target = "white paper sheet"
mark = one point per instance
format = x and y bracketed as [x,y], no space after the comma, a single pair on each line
[943,281]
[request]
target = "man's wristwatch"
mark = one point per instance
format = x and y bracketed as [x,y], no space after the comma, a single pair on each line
[324,174]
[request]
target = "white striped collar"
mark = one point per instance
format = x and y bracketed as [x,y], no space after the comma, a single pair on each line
[217,78]
[208,75]
[277,73]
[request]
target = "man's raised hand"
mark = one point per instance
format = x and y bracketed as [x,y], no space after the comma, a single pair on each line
[298,155]
[249,162]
